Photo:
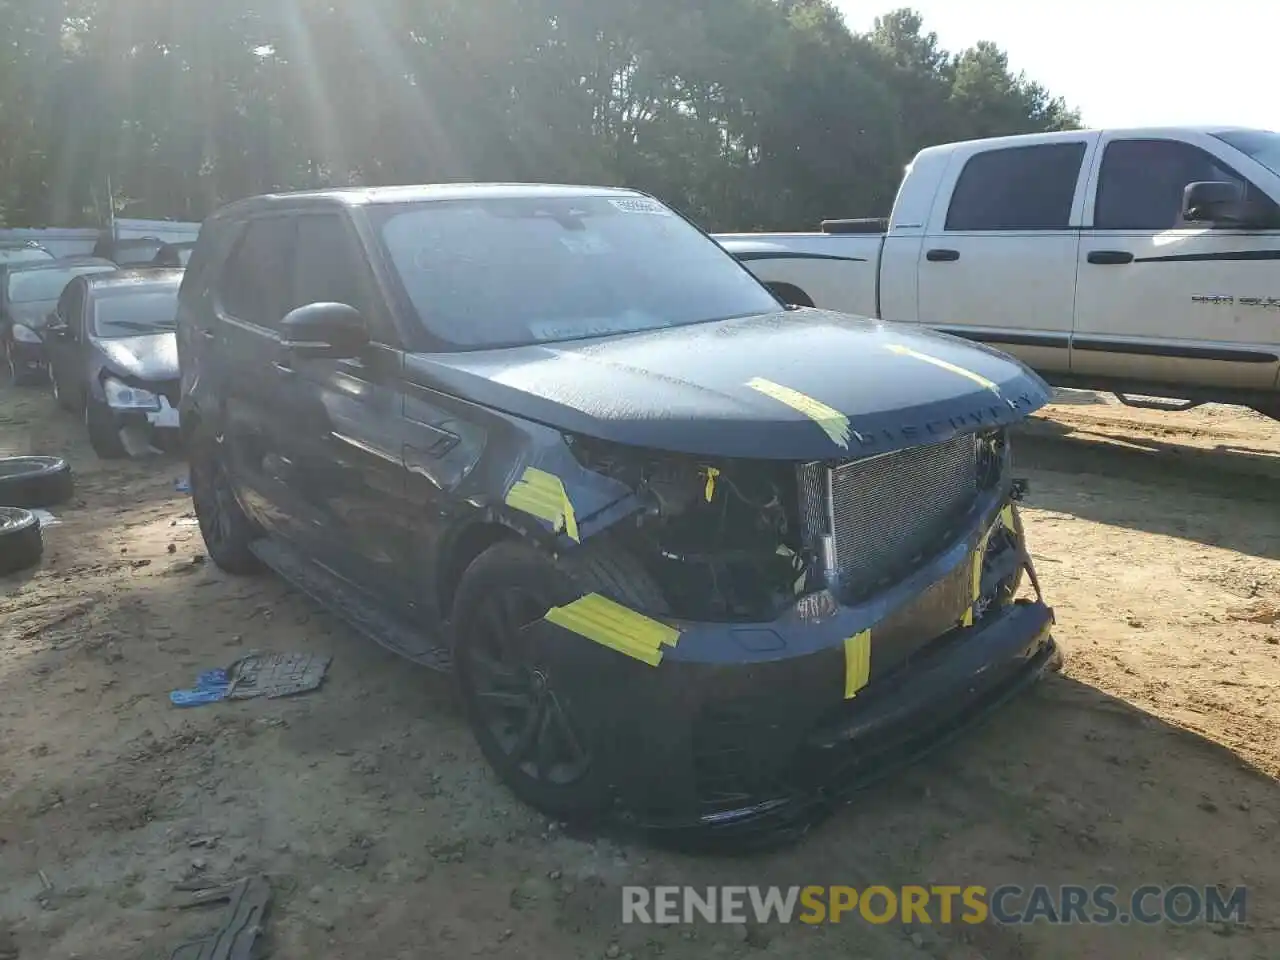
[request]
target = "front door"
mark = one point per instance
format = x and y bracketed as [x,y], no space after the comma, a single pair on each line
[1164,301]
[343,423]
[998,262]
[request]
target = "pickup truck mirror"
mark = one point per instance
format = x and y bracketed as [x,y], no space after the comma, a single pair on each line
[1213,201]
[324,331]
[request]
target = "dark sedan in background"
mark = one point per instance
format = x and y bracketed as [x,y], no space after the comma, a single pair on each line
[28,293]
[113,357]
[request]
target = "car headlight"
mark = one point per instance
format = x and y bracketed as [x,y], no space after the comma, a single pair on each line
[25,334]
[121,396]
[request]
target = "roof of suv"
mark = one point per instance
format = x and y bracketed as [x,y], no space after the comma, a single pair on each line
[367,196]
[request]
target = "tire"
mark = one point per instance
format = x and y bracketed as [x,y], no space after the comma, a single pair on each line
[21,543]
[35,481]
[790,294]
[228,533]
[59,397]
[506,679]
[104,431]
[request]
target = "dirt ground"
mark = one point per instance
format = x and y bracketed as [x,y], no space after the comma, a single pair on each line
[1153,759]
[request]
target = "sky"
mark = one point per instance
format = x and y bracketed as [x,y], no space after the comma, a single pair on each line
[1123,63]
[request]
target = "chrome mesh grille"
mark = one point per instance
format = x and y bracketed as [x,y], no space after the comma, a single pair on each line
[888,513]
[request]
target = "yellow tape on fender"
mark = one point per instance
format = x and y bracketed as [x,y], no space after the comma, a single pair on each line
[542,495]
[1007,520]
[614,626]
[834,423]
[977,378]
[857,663]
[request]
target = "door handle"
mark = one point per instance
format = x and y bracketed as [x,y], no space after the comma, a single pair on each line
[283,368]
[1110,257]
[942,256]
[207,333]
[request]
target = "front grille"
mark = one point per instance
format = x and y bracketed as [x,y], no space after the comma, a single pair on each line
[887,514]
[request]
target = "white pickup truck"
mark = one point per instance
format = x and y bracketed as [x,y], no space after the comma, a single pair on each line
[1142,262]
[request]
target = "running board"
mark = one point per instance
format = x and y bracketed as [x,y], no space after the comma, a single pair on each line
[350,605]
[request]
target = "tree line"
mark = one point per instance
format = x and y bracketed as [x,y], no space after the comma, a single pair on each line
[743,114]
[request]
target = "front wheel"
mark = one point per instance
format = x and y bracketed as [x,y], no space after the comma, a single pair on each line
[527,699]
[228,532]
[104,431]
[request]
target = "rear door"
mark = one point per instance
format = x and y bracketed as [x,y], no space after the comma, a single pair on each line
[249,299]
[998,262]
[343,420]
[63,340]
[1164,301]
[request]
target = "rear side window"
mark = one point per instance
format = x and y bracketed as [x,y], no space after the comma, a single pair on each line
[254,286]
[1018,188]
[1142,182]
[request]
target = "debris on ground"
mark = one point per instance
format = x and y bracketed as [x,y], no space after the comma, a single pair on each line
[182,484]
[271,675]
[46,518]
[243,921]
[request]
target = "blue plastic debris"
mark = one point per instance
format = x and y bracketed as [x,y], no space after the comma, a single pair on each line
[211,686]
[182,484]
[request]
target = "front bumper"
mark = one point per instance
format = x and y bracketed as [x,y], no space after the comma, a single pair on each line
[143,430]
[753,732]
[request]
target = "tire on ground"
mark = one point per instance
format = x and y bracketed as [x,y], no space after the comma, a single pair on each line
[35,481]
[104,432]
[21,543]
[595,568]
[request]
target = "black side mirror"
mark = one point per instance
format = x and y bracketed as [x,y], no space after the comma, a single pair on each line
[324,331]
[1214,201]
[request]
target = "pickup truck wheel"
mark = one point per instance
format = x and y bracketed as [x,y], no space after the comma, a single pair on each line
[104,431]
[228,533]
[35,481]
[529,717]
[21,543]
[791,294]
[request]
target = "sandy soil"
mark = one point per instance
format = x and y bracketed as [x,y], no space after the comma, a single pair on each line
[1153,759]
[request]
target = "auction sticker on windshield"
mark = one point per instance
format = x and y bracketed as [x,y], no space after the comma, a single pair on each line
[641,205]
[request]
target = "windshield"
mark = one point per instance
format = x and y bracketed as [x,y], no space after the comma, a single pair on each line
[135,314]
[1260,145]
[30,286]
[23,254]
[508,272]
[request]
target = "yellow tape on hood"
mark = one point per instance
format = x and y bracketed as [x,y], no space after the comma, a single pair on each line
[614,626]
[834,423]
[542,495]
[977,378]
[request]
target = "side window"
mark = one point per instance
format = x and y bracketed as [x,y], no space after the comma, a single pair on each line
[1141,183]
[254,283]
[329,265]
[1017,188]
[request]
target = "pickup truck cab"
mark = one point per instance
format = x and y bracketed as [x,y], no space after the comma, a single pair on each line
[1139,261]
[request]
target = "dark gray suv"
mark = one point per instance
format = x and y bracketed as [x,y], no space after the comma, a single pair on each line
[697,559]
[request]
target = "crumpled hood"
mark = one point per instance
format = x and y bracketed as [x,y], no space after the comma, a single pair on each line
[794,385]
[151,357]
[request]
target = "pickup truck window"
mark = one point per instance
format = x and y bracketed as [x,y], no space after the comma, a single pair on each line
[1141,183]
[1017,188]
[517,271]
[1260,145]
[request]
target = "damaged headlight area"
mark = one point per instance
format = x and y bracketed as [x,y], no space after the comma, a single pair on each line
[122,396]
[721,538]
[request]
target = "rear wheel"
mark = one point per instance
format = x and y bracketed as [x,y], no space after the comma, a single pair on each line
[528,712]
[228,533]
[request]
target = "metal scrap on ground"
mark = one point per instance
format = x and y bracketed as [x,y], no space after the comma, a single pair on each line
[269,675]
[244,918]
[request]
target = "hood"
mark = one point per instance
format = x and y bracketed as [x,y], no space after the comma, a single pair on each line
[794,385]
[152,357]
[34,314]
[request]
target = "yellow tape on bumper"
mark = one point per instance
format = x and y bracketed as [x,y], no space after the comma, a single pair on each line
[979,555]
[977,378]
[614,626]
[542,495]
[834,423]
[857,663]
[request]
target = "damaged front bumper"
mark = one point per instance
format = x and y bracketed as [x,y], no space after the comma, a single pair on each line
[755,730]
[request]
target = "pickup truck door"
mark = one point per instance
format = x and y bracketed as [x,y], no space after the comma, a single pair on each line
[1164,301]
[998,262]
